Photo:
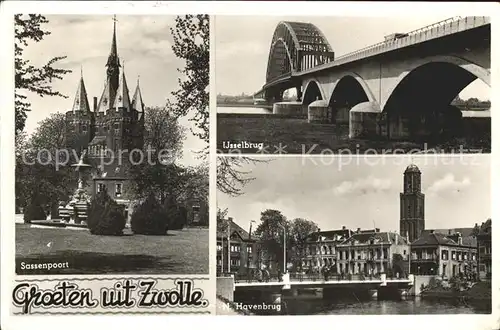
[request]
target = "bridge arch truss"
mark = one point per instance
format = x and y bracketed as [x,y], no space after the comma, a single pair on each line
[296,47]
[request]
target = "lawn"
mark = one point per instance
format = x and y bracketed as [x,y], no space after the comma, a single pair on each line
[179,252]
[299,136]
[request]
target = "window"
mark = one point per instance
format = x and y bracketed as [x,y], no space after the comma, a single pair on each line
[117,128]
[118,190]
[219,262]
[84,128]
[249,249]
[219,247]
[404,252]
[100,187]
[235,262]
[235,248]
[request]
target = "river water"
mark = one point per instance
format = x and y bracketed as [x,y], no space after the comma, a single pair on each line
[243,110]
[376,307]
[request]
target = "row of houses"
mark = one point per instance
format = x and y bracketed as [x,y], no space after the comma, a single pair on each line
[440,252]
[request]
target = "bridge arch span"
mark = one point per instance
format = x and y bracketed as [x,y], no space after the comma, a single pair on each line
[347,92]
[419,103]
[312,92]
[447,68]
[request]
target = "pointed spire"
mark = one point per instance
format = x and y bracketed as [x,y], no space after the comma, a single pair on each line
[122,99]
[105,102]
[113,59]
[137,102]
[81,102]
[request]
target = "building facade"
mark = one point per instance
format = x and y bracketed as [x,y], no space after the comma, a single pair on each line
[238,253]
[371,252]
[320,248]
[484,249]
[412,207]
[435,253]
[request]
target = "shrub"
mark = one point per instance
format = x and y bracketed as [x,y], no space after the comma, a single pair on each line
[105,216]
[150,218]
[177,215]
[34,211]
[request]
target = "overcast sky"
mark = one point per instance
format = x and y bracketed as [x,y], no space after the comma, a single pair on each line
[242,45]
[144,43]
[359,193]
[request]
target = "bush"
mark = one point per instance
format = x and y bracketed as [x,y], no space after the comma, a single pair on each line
[105,216]
[177,215]
[150,218]
[34,211]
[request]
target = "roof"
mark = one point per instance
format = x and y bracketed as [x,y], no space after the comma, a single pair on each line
[451,231]
[485,228]
[376,238]
[137,102]
[330,235]
[98,140]
[412,168]
[122,99]
[433,238]
[81,102]
[235,228]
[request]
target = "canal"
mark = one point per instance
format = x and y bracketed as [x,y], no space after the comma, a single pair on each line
[414,305]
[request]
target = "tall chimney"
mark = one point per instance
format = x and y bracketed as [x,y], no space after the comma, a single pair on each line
[95,103]
[343,227]
[358,231]
[230,219]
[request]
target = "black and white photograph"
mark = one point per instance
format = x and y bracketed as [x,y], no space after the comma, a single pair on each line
[347,85]
[354,235]
[111,143]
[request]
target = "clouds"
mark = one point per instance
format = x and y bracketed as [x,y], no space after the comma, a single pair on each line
[144,43]
[363,186]
[448,184]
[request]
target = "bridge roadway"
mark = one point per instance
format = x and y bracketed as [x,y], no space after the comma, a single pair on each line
[421,35]
[321,283]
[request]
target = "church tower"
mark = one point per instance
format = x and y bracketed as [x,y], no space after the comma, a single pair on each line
[412,208]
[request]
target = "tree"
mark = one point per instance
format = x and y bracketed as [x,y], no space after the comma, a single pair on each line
[192,43]
[105,216]
[150,218]
[163,132]
[163,145]
[271,235]
[28,77]
[300,231]
[43,173]
[231,175]
[222,223]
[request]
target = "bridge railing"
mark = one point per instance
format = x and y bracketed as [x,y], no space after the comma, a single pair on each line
[432,31]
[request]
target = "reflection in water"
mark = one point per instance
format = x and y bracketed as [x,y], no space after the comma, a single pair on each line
[404,306]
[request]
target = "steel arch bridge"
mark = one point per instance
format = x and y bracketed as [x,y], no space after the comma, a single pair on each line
[296,47]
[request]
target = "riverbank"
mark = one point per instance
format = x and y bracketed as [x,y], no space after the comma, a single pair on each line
[243,105]
[480,292]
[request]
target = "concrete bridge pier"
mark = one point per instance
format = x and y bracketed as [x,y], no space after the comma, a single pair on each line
[292,109]
[365,120]
[318,112]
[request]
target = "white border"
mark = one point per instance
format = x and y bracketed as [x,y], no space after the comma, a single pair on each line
[379,9]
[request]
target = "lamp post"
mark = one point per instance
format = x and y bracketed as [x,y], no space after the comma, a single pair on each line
[249,238]
[284,248]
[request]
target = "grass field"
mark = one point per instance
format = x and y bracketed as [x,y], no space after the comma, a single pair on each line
[180,252]
[299,137]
